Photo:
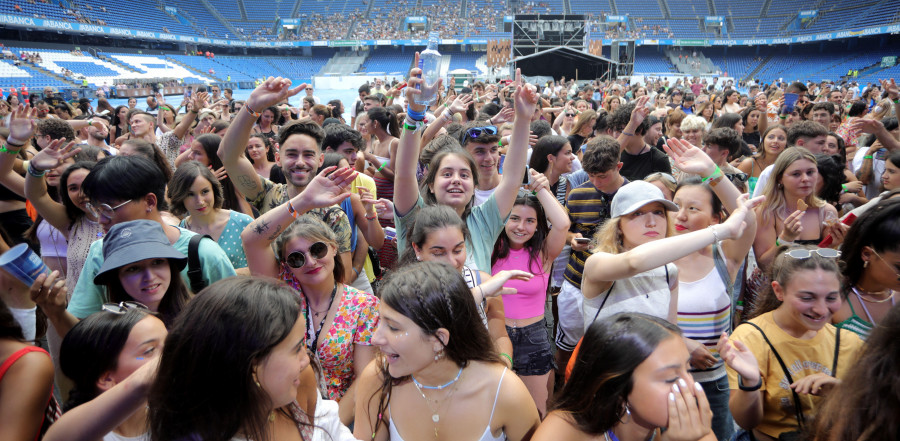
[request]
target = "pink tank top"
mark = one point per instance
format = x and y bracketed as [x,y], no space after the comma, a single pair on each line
[529,300]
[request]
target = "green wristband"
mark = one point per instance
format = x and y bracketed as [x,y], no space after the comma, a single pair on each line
[409,127]
[3,149]
[867,157]
[716,173]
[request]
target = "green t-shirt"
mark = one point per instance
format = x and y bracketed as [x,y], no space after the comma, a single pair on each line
[88,298]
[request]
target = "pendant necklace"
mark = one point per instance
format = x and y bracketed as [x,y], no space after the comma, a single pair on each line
[435,412]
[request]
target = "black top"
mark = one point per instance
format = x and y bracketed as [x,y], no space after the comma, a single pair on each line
[637,167]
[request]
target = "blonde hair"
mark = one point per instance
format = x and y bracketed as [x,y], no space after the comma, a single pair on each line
[693,122]
[609,238]
[774,191]
[583,118]
[882,109]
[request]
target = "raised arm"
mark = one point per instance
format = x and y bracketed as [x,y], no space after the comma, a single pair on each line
[91,421]
[234,143]
[628,137]
[690,159]
[459,105]
[21,129]
[525,99]
[36,187]
[323,191]
[406,187]
[604,268]
[556,216]
[367,218]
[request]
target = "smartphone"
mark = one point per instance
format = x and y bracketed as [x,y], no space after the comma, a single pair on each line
[880,154]
[187,93]
[790,99]
[390,234]
[527,179]
[583,240]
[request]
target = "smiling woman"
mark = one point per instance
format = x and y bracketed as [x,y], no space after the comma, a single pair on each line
[791,328]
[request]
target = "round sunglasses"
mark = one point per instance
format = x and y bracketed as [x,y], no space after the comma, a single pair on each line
[297,259]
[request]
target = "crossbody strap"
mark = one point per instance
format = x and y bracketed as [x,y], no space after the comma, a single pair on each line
[608,292]
[195,270]
[797,409]
[837,349]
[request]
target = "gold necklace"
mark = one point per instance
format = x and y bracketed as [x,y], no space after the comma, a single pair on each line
[435,414]
[863,293]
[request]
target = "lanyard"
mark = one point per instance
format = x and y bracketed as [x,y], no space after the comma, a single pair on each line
[312,343]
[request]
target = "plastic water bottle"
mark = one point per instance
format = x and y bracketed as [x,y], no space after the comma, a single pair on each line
[430,63]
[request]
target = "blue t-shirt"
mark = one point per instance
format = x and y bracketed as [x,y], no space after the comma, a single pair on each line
[230,239]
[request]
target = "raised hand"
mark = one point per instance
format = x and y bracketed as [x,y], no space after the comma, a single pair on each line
[689,158]
[525,98]
[199,101]
[272,91]
[21,124]
[413,82]
[640,111]
[367,199]
[738,357]
[793,226]
[384,208]
[505,115]
[538,181]
[891,88]
[867,125]
[734,226]
[53,155]
[326,188]
[461,103]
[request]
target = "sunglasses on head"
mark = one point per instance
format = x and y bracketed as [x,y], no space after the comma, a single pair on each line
[297,259]
[476,132]
[123,307]
[804,253]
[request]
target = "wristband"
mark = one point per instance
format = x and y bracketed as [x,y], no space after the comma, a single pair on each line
[717,173]
[867,157]
[372,216]
[249,110]
[409,126]
[291,210]
[715,233]
[897,101]
[3,149]
[507,356]
[749,388]
[355,272]
[384,163]
[195,111]
[628,134]
[778,243]
[12,144]
[413,115]
[35,172]
[844,187]
[448,116]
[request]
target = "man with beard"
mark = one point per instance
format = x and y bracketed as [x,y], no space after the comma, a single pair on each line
[95,132]
[300,155]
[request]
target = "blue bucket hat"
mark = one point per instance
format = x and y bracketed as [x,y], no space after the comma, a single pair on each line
[134,241]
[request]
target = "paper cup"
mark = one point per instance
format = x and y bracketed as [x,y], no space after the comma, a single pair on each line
[23,263]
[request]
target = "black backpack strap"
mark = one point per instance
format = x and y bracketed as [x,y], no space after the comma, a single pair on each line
[602,304]
[797,409]
[195,272]
[837,350]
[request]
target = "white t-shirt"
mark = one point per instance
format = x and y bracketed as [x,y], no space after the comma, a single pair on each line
[763,179]
[483,195]
[872,187]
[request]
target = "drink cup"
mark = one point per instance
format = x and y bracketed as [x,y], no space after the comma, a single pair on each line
[23,264]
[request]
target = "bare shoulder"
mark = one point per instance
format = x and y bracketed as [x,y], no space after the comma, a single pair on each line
[557,426]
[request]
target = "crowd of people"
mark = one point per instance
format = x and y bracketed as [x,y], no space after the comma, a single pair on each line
[507,260]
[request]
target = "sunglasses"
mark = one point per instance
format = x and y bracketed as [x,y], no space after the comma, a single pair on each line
[570,115]
[104,209]
[739,177]
[803,253]
[297,259]
[123,307]
[476,132]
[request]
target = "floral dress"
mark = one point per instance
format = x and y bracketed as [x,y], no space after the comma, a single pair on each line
[354,324]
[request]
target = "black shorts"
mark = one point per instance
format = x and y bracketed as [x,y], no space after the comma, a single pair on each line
[532,354]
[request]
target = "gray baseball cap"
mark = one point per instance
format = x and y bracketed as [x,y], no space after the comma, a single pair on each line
[636,194]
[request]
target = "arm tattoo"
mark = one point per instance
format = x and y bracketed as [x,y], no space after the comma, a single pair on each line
[261,227]
[275,233]
[245,181]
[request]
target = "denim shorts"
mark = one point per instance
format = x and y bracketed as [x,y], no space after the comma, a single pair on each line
[531,349]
